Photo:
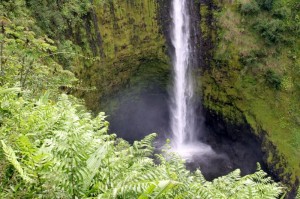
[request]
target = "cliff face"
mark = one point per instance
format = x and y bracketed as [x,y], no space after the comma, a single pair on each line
[131,38]
[252,81]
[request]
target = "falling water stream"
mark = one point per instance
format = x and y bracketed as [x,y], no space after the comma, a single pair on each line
[183,122]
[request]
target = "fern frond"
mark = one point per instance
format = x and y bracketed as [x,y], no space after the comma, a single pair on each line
[94,162]
[163,187]
[12,158]
[298,193]
[204,192]
[200,177]
[8,90]
[144,147]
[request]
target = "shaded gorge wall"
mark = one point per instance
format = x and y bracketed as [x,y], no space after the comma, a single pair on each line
[130,35]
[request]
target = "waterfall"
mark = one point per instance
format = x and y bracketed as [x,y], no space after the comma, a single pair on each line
[182,110]
[183,122]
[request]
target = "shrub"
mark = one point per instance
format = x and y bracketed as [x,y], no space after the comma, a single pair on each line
[249,8]
[282,13]
[271,30]
[273,79]
[252,58]
[265,4]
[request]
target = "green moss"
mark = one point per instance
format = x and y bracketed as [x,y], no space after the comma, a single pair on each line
[151,75]
[130,34]
[204,12]
[236,87]
[129,28]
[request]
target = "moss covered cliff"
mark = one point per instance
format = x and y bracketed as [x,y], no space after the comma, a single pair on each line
[131,38]
[253,77]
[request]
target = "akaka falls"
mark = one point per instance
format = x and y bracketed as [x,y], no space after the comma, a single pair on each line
[166,95]
[150,99]
[183,122]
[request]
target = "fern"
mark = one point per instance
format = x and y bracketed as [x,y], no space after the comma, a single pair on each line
[65,153]
[94,162]
[7,90]
[11,157]
[298,193]
[158,189]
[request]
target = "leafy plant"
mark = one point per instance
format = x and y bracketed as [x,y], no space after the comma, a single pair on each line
[249,8]
[273,79]
[266,4]
[58,150]
[271,30]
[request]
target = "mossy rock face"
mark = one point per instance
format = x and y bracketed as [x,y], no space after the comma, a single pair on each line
[129,27]
[130,34]
[240,87]
[151,76]
[141,107]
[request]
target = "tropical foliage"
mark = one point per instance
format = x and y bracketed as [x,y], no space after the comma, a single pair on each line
[57,150]
[52,147]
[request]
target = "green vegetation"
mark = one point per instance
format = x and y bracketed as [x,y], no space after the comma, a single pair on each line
[254,76]
[151,75]
[250,8]
[131,36]
[51,146]
[55,149]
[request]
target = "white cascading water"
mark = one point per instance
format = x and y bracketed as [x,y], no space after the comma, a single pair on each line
[182,109]
[182,123]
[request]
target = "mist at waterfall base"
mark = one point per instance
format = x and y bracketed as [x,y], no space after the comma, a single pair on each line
[141,113]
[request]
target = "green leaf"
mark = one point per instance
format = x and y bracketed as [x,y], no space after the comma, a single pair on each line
[8,90]
[11,156]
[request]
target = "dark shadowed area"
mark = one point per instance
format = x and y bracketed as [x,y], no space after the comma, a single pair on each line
[138,114]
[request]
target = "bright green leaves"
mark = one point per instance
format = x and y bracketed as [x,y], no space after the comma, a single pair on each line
[27,55]
[7,90]
[158,189]
[59,145]
[58,150]
[12,158]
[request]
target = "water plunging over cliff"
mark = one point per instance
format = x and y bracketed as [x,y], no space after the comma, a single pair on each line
[182,121]
[183,124]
